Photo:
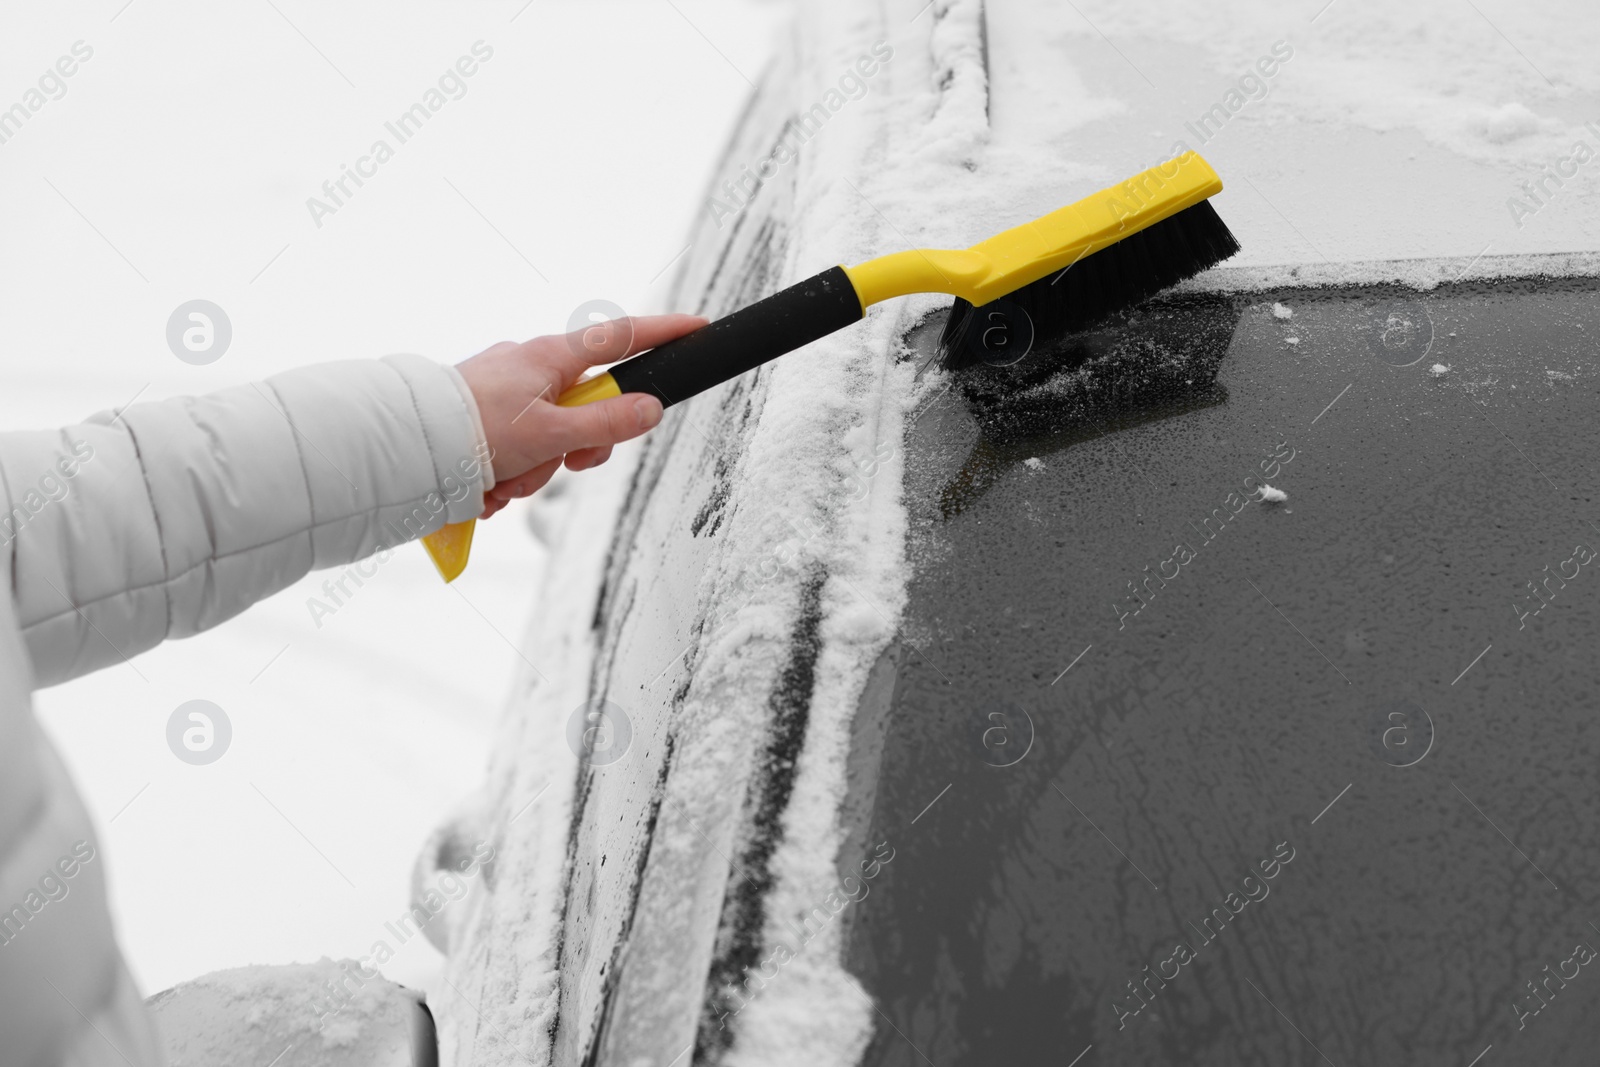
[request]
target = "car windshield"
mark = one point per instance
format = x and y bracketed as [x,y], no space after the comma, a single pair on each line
[1245,709]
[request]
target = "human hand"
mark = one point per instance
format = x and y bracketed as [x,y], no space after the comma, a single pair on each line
[528,433]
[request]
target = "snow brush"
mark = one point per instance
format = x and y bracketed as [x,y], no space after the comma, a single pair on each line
[1065,271]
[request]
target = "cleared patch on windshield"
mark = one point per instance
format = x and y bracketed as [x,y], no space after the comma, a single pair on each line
[1153,362]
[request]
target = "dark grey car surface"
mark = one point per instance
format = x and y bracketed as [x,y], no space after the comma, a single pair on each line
[1185,777]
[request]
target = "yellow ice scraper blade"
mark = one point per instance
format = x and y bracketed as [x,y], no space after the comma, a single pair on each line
[450,545]
[1008,261]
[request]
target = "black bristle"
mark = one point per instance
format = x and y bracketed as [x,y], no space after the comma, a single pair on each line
[1111,280]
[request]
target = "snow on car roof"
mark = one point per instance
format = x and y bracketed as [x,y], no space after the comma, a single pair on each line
[1362,133]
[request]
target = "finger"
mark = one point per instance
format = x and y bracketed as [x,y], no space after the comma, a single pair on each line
[602,423]
[651,330]
[527,483]
[617,339]
[587,458]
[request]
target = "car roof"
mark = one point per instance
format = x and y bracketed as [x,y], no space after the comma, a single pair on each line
[1368,136]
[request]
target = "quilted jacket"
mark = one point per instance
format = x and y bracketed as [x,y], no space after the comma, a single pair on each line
[158,522]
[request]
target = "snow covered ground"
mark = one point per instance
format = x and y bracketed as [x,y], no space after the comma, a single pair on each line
[176,163]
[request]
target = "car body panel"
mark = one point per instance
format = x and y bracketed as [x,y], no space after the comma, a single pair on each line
[741,594]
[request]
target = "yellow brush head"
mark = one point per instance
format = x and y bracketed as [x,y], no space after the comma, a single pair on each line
[1037,249]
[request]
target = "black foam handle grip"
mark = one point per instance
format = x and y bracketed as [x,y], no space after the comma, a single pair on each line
[744,340]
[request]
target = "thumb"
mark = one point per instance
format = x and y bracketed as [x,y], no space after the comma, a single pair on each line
[604,422]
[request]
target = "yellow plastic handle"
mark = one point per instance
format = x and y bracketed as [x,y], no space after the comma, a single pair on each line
[449,546]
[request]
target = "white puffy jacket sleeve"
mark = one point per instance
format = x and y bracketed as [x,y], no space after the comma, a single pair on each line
[173,516]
